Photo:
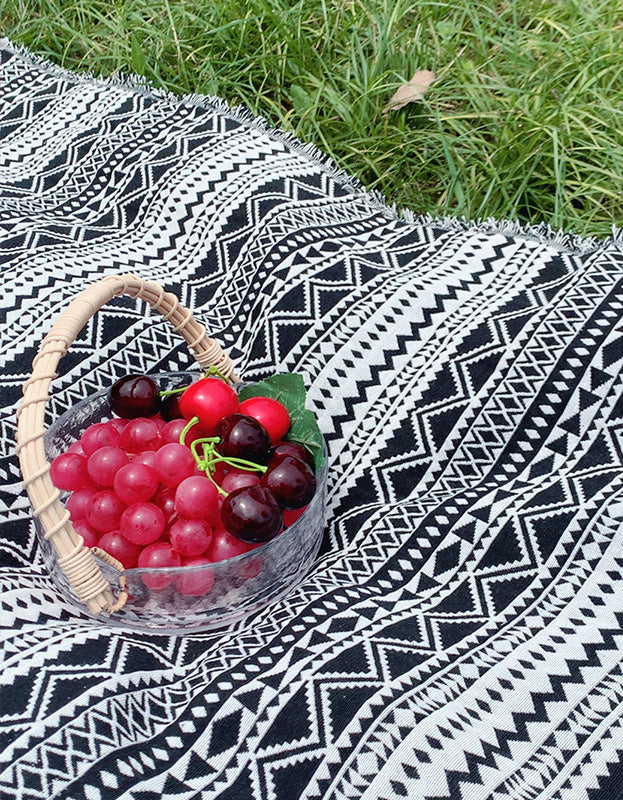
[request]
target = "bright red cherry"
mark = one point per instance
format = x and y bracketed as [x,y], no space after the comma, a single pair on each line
[270,413]
[209,399]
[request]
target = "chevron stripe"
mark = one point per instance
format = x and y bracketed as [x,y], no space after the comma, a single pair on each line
[459,633]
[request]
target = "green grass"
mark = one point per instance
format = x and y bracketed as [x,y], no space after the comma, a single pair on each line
[524,122]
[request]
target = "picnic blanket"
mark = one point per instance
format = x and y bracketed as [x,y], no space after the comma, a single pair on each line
[460,634]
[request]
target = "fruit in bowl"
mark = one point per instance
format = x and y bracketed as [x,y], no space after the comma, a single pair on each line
[180,482]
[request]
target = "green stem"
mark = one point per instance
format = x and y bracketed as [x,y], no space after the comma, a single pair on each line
[207,459]
[241,463]
[166,392]
[186,428]
[215,371]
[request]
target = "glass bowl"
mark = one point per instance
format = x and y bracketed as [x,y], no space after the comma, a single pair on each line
[193,598]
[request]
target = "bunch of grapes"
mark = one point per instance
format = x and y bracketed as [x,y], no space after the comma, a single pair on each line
[187,478]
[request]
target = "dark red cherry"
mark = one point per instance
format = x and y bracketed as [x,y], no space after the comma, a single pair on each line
[243,437]
[252,514]
[291,480]
[170,407]
[134,396]
[296,449]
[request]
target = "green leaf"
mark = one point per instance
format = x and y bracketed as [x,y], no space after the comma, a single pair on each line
[304,429]
[289,389]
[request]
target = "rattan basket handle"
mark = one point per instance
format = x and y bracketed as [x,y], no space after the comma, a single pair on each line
[76,560]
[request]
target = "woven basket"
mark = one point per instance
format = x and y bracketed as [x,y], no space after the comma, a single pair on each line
[75,559]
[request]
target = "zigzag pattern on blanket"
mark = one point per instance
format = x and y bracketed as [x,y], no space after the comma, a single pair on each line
[459,635]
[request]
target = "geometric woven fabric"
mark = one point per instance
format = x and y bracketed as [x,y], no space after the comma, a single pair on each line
[459,635]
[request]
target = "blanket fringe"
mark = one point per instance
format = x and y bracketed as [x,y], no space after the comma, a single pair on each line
[542,233]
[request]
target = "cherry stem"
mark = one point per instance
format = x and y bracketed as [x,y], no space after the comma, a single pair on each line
[210,371]
[207,448]
[208,464]
[193,421]
[209,457]
[241,463]
[215,371]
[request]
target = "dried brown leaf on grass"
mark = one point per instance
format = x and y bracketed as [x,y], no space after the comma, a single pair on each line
[412,91]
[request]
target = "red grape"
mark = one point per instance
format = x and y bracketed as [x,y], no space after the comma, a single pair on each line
[118,424]
[89,534]
[141,434]
[135,482]
[173,463]
[196,498]
[104,464]
[171,431]
[199,581]
[253,567]
[190,537]
[120,548]
[76,447]
[147,457]
[100,434]
[224,546]
[142,523]
[165,499]
[237,478]
[69,472]
[77,502]
[155,556]
[103,511]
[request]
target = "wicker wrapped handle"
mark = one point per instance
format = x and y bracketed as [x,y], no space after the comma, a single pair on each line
[76,560]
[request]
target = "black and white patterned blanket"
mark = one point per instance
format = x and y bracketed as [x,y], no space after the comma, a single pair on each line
[461,633]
